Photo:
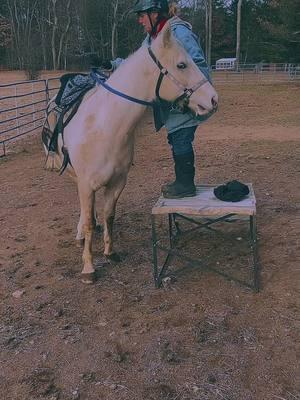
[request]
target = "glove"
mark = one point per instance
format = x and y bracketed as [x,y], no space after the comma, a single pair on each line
[96,62]
[106,64]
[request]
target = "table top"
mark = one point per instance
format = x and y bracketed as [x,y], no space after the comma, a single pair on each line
[205,203]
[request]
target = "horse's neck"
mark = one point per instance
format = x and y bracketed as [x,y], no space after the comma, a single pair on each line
[137,76]
[117,116]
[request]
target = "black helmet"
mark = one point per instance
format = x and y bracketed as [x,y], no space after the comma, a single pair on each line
[151,5]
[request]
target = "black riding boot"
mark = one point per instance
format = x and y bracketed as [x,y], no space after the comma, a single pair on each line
[183,186]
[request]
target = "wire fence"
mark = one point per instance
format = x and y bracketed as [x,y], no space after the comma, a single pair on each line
[257,73]
[22,108]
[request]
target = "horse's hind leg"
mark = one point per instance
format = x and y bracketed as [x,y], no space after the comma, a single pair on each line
[87,199]
[97,226]
[80,232]
[111,195]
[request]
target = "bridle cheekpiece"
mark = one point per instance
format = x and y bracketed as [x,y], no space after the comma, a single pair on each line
[187,92]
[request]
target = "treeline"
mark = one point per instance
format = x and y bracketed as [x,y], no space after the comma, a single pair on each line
[70,34]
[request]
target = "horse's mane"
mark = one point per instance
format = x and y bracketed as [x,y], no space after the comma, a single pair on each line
[128,61]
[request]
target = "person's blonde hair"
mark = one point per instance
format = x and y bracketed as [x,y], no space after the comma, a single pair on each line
[173,9]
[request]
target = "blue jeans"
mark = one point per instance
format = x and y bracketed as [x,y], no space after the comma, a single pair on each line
[181,141]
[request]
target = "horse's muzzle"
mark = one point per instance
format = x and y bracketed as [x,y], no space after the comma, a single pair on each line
[214,102]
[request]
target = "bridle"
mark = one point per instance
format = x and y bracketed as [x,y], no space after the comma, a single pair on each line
[187,92]
[180,102]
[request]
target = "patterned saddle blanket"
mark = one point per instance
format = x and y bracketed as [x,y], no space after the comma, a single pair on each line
[74,86]
[67,101]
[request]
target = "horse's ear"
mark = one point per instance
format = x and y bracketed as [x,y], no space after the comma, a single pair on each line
[166,32]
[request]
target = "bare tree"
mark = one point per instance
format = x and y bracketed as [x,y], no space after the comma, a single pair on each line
[209,28]
[5,32]
[63,36]
[115,6]
[21,14]
[206,28]
[42,26]
[59,27]
[54,30]
[238,33]
[119,12]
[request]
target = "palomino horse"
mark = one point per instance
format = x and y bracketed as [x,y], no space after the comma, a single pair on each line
[100,137]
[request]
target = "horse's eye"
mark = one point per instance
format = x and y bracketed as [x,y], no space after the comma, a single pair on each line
[181,65]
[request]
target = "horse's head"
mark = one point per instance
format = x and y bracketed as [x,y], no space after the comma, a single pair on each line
[180,79]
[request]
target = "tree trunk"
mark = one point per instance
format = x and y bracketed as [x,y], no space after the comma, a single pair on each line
[63,35]
[206,28]
[21,19]
[53,36]
[15,25]
[209,31]
[114,29]
[238,35]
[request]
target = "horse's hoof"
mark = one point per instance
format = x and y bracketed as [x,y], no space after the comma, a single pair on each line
[79,242]
[114,257]
[88,278]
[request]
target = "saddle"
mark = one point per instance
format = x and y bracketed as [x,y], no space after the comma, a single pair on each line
[73,88]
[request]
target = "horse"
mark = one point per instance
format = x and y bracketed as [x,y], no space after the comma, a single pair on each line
[100,137]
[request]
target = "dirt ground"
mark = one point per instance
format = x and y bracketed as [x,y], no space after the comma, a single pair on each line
[202,337]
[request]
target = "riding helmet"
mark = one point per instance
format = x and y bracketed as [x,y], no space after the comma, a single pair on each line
[151,5]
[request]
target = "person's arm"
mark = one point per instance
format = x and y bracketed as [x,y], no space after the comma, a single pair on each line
[189,41]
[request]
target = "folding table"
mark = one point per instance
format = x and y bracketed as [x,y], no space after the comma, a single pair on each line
[203,211]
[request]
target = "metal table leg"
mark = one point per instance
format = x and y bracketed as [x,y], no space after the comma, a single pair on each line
[154,250]
[253,235]
[174,232]
[158,272]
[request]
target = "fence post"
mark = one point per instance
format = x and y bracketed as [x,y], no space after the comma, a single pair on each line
[33,106]
[4,149]
[46,81]
[17,109]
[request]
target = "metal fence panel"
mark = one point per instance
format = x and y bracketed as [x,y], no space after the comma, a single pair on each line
[22,108]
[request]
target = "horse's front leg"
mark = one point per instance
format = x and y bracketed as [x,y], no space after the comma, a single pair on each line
[87,200]
[111,194]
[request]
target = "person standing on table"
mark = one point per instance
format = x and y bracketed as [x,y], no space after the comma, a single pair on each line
[181,127]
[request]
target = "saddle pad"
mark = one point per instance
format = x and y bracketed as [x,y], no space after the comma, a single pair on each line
[72,87]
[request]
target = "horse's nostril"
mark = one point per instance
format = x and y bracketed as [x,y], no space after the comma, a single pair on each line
[214,102]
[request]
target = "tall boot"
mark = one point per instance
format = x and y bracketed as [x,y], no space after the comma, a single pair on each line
[183,186]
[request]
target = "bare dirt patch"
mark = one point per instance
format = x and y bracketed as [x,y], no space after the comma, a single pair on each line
[202,337]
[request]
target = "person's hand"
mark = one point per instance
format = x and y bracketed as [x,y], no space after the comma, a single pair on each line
[106,64]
